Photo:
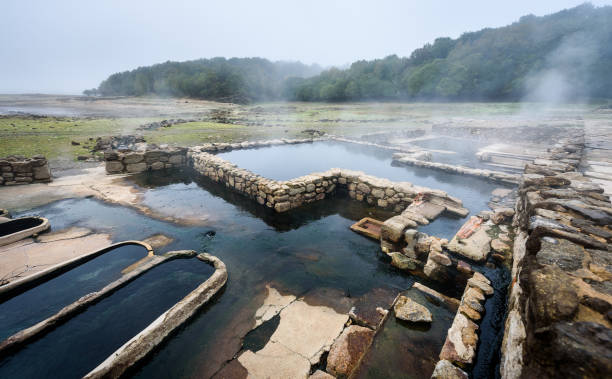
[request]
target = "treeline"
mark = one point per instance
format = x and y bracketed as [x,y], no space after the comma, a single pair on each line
[569,51]
[237,80]
[567,55]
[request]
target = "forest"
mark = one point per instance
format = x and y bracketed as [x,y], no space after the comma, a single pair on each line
[567,54]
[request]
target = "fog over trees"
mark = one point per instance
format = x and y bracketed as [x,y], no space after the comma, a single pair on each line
[566,56]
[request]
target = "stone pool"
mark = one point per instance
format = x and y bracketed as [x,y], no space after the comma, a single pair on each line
[299,252]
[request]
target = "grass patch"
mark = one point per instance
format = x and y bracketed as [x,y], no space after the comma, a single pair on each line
[52,136]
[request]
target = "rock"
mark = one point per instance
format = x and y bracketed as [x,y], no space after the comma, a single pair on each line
[131,158]
[114,167]
[363,188]
[485,288]
[470,312]
[41,172]
[371,308]
[476,247]
[461,340]
[21,167]
[544,181]
[446,370]
[434,270]
[440,258]
[176,159]
[409,310]
[348,349]
[136,167]
[553,297]
[598,217]
[464,267]
[560,252]
[282,207]
[157,166]
[110,155]
[320,375]
[576,349]
[478,276]
[393,228]
[403,262]
[497,218]
[499,246]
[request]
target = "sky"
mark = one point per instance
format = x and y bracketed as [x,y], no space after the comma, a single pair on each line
[66,46]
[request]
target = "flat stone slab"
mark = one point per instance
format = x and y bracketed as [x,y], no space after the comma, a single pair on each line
[428,210]
[272,305]
[476,246]
[27,257]
[371,308]
[274,361]
[307,328]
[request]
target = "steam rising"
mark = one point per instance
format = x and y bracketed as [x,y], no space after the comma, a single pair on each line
[565,72]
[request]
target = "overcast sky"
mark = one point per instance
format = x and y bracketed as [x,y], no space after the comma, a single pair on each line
[64,46]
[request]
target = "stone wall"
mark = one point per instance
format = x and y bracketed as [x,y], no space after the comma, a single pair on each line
[560,301]
[285,195]
[497,176]
[129,161]
[16,170]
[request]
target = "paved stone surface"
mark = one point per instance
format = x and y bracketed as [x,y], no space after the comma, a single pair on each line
[307,328]
[26,257]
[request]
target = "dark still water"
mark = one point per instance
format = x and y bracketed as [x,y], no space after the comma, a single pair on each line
[286,162]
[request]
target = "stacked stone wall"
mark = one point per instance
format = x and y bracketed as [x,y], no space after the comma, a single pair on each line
[560,302]
[15,170]
[496,176]
[285,195]
[128,161]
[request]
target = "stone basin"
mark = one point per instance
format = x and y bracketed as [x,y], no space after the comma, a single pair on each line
[18,229]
